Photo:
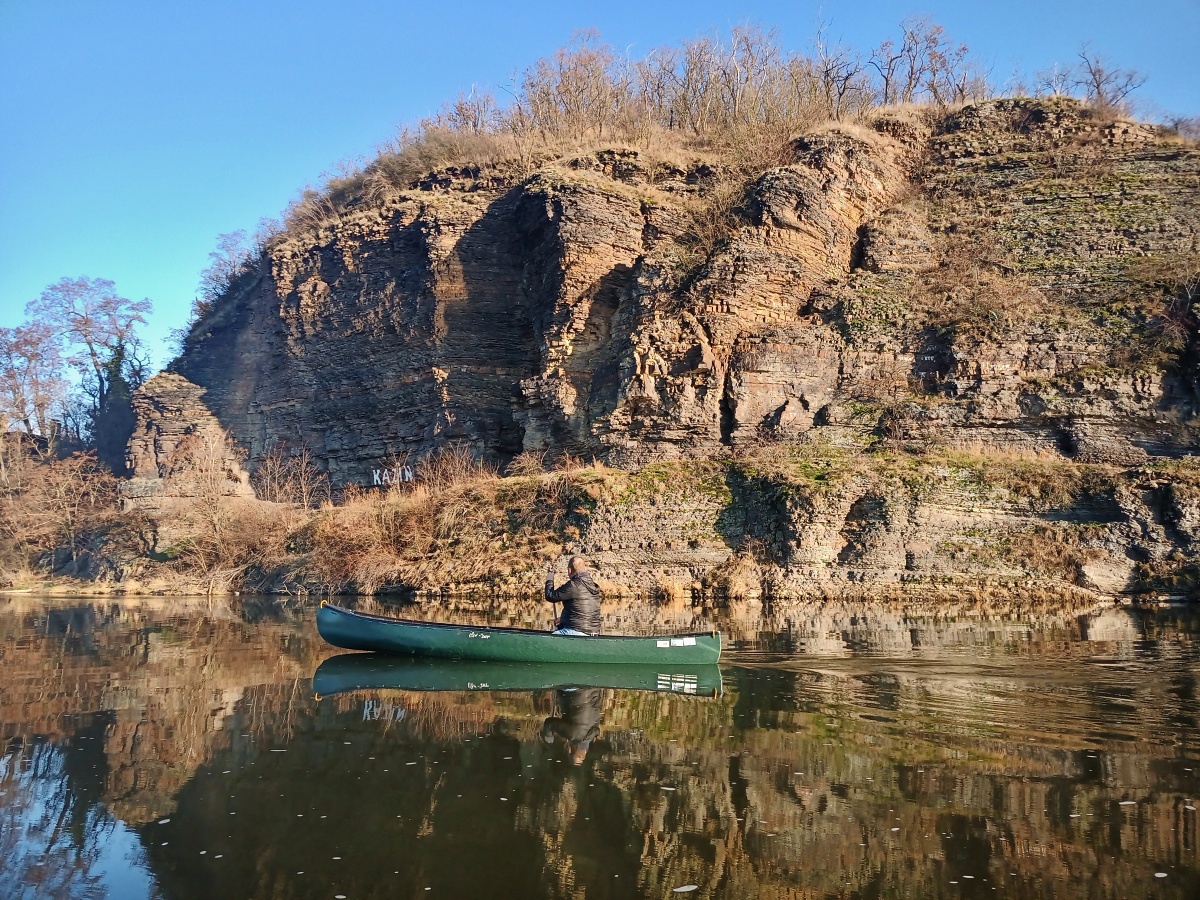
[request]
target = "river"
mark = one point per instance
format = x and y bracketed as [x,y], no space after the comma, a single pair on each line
[177,749]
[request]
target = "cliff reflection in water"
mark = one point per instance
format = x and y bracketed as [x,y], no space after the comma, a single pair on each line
[159,751]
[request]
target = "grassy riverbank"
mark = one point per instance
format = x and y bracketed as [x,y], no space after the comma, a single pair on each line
[778,520]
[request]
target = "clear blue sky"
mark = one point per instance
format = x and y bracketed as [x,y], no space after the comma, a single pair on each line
[136,131]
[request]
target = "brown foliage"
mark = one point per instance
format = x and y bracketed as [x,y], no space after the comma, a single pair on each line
[49,504]
[742,98]
[974,290]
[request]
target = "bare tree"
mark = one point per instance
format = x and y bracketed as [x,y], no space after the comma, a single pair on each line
[473,113]
[94,320]
[571,92]
[233,257]
[285,476]
[920,38]
[842,77]
[1103,85]
[47,503]
[1054,81]
[99,328]
[30,376]
[886,60]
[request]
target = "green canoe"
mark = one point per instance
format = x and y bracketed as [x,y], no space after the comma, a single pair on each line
[376,671]
[359,631]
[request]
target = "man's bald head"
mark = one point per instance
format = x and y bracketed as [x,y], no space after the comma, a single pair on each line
[577,565]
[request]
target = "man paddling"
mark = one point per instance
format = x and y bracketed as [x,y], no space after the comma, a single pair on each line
[580,598]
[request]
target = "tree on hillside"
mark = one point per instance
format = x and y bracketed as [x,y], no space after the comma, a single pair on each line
[230,260]
[31,381]
[1105,86]
[99,328]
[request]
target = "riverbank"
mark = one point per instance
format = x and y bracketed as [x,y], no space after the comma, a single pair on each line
[779,521]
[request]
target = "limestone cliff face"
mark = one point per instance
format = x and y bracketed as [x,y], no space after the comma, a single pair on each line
[998,278]
[566,312]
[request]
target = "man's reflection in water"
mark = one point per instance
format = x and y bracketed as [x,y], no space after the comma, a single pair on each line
[579,724]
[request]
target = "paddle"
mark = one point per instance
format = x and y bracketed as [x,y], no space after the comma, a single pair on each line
[550,578]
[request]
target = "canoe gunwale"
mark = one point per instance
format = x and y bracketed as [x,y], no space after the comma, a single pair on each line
[396,620]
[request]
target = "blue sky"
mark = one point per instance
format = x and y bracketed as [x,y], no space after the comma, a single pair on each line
[136,131]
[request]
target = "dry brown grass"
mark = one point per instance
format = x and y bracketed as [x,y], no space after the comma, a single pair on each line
[1046,480]
[458,523]
[974,290]
[739,579]
[1053,551]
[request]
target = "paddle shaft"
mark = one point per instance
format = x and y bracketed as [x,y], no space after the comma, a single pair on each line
[553,604]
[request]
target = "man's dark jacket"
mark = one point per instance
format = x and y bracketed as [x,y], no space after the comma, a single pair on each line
[580,721]
[580,598]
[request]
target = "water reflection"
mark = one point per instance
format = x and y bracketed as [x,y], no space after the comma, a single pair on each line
[159,751]
[377,671]
[57,839]
[578,721]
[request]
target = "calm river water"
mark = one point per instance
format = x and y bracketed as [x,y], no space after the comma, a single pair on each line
[176,749]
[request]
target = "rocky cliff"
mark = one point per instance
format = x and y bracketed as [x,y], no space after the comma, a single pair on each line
[1006,278]
[972,263]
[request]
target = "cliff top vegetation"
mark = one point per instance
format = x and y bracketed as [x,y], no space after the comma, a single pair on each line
[737,100]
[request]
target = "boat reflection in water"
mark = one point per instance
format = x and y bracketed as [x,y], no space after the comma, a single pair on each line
[373,671]
[578,689]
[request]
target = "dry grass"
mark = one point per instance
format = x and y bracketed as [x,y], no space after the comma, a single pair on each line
[1054,551]
[974,290]
[1043,479]
[458,523]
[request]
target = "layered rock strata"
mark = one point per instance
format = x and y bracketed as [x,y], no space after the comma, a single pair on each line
[998,278]
[573,312]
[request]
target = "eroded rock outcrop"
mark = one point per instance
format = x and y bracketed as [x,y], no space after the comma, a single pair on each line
[967,280]
[563,312]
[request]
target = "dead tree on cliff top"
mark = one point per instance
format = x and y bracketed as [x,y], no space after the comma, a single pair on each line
[1105,87]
